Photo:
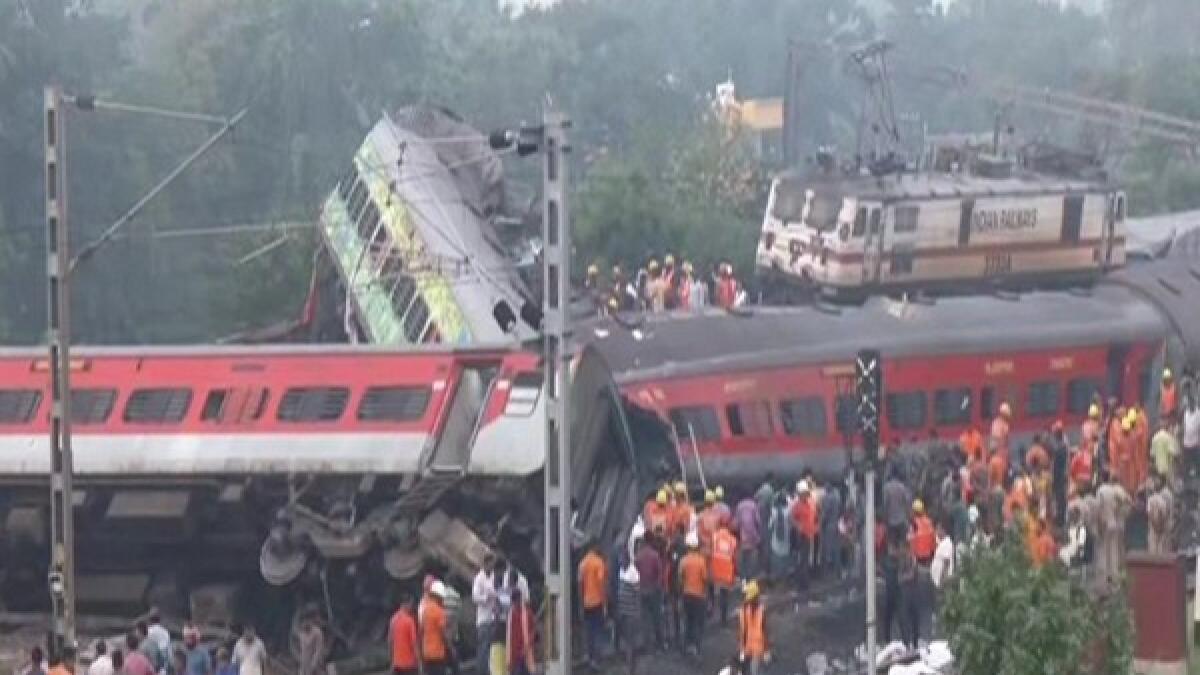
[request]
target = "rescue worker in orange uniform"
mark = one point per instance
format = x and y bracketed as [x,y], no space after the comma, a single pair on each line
[754,647]
[1081,468]
[593,591]
[1044,548]
[726,287]
[804,521]
[657,514]
[1090,431]
[1140,446]
[1001,429]
[402,638]
[1168,397]
[1120,453]
[921,535]
[723,567]
[708,521]
[971,445]
[693,578]
[997,469]
[682,513]
[435,642]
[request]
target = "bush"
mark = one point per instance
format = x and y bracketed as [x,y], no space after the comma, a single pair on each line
[1004,617]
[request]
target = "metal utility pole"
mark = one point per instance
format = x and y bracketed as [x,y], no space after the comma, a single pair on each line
[59,267]
[556,301]
[868,368]
[61,576]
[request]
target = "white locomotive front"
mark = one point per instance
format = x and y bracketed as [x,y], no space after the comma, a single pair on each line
[852,235]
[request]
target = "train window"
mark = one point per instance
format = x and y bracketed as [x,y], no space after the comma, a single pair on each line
[902,260]
[952,406]
[906,410]
[368,223]
[1080,394]
[313,404]
[751,419]
[346,184]
[524,394]
[358,196]
[92,406]
[860,222]
[394,404]
[845,411]
[415,320]
[803,416]
[234,405]
[697,420]
[1043,400]
[906,219]
[875,221]
[403,290]
[157,406]
[17,406]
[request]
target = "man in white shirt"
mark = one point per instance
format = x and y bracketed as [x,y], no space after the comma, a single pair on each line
[483,594]
[102,664]
[161,637]
[1191,431]
[250,654]
[942,567]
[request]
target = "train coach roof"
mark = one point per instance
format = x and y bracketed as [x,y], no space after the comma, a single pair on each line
[925,185]
[1173,286]
[684,343]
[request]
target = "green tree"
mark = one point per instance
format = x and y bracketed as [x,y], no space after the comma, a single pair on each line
[1005,617]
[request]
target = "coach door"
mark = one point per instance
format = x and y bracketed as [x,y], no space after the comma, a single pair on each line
[873,245]
[1072,220]
[1115,216]
[457,433]
[964,222]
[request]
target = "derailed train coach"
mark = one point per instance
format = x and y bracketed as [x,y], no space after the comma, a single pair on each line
[329,469]
[772,389]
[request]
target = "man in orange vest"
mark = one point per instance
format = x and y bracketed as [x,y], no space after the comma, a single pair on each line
[693,579]
[682,513]
[723,565]
[593,591]
[708,521]
[804,520]
[1044,549]
[435,644]
[1141,446]
[1168,397]
[997,469]
[1090,431]
[922,537]
[1001,427]
[1081,467]
[656,516]
[1120,452]
[402,636]
[754,648]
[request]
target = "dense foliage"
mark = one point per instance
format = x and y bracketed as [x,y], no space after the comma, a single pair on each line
[637,77]
[1007,618]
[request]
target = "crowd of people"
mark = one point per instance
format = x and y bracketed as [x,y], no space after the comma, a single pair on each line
[423,634]
[665,287]
[1067,496]
[148,649]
